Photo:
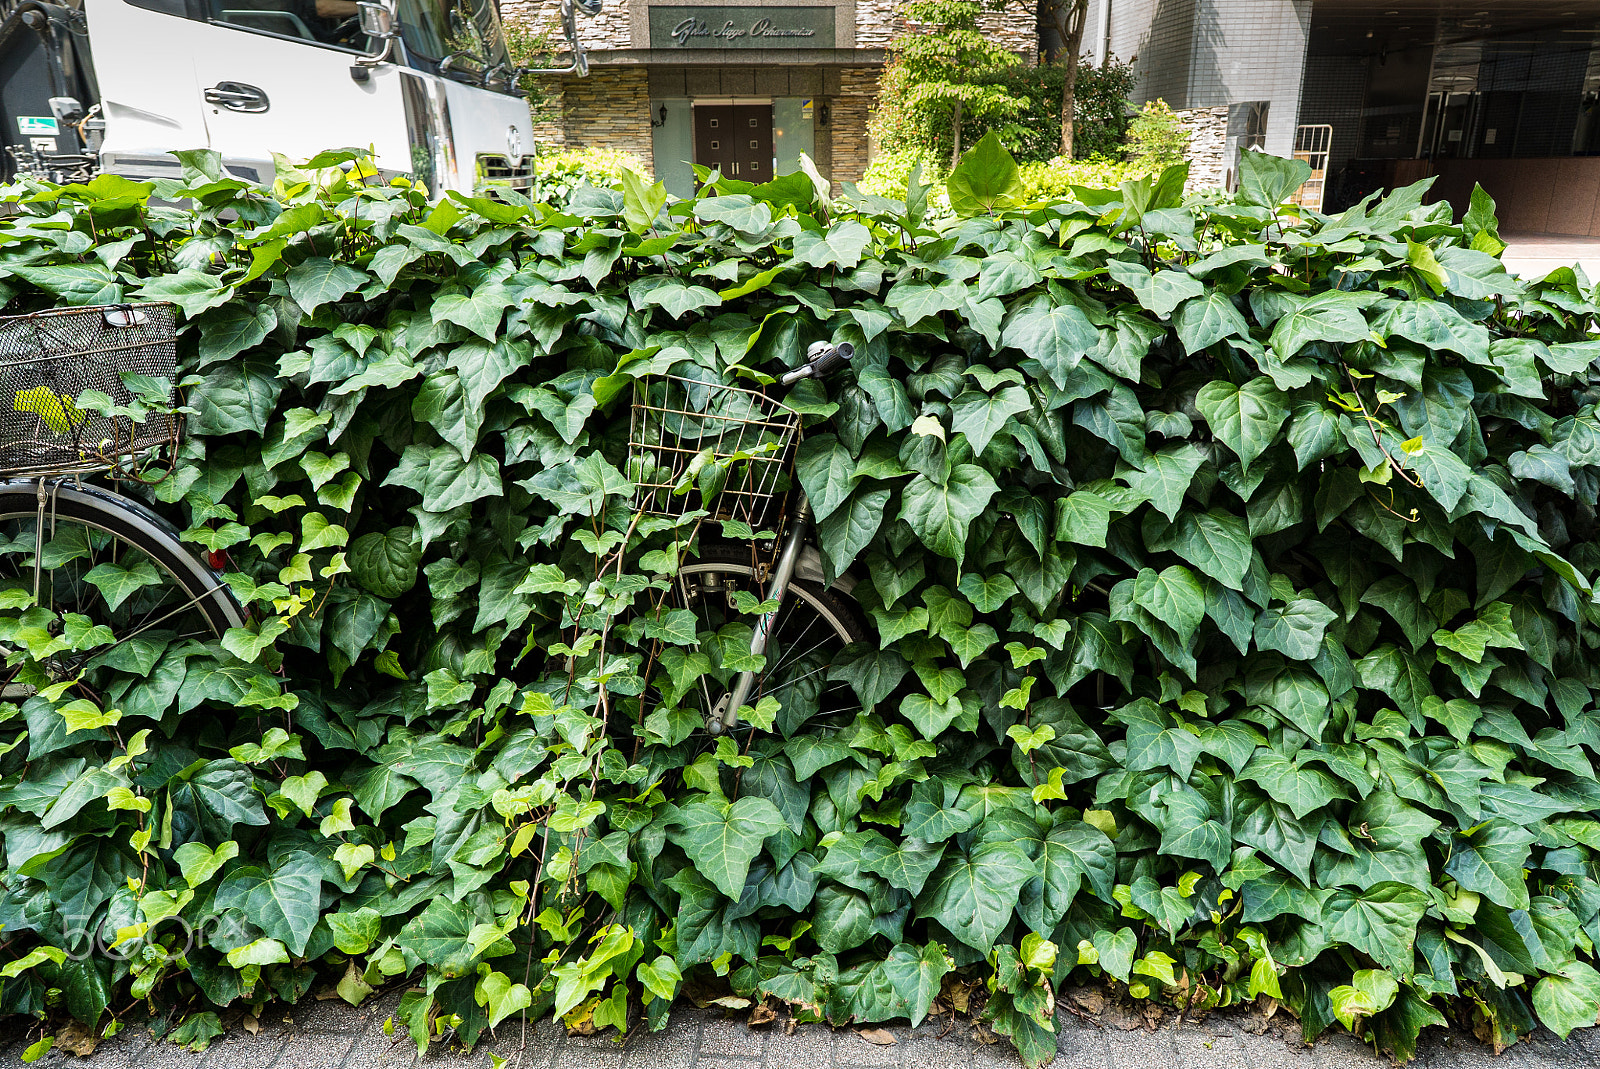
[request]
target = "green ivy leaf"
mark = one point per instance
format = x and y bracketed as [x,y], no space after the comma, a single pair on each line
[722,839]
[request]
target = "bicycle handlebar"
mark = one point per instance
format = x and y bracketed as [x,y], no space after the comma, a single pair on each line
[821,358]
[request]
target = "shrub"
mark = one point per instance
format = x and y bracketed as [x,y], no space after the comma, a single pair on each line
[1232,614]
[1100,114]
[1053,179]
[1033,133]
[941,72]
[561,174]
[1042,181]
[1156,138]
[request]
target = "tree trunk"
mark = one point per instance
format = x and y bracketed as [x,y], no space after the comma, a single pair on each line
[1071,18]
[955,122]
[1069,90]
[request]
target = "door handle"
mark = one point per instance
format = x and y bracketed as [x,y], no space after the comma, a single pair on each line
[236,96]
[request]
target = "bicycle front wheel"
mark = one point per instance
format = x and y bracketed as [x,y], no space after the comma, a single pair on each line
[110,560]
[813,625]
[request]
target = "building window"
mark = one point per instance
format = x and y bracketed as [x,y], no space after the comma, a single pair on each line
[713,124]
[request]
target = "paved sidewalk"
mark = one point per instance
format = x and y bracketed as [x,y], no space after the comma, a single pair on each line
[331,1035]
[1536,255]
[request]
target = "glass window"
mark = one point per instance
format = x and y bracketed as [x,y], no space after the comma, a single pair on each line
[326,22]
[468,30]
[179,8]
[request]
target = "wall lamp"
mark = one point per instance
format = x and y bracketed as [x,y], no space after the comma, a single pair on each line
[661,121]
[823,114]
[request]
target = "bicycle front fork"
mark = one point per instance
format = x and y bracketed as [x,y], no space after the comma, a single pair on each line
[726,715]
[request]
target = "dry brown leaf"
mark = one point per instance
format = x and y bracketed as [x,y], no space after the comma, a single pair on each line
[76,1039]
[251,1023]
[731,1002]
[789,1026]
[984,1036]
[1269,1006]
[1090,1000]
[762,1014]
[878,1037]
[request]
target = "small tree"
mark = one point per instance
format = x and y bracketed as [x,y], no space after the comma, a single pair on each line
[1069,18]
[1156,137]
[936,69]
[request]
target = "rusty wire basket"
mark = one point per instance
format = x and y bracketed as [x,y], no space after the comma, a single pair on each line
[53,362]
[702,445]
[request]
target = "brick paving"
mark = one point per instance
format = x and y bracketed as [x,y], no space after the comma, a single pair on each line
[331,1035]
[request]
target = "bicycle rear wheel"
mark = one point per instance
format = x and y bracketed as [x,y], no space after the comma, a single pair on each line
[111,560]
[814,624]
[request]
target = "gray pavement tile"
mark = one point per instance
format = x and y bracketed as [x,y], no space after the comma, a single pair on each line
[673,1047]
[1140,1049]
[315,1050]
[335,1015]
[720,1037]
[811,1047]
[1213,1048]
[241,1050]
[535,1048]
[1080,1047]
[1000,1056]
[930,1053]
[164,1055]
[727,1063]
[585,1052]
[372,1050]
[1268,1051]
[850,1049]
[1341,1050]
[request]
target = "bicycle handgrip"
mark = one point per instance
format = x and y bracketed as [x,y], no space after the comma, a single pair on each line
[832,358]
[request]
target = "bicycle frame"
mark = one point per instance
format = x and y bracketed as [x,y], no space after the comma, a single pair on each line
[821,357]
[726,715]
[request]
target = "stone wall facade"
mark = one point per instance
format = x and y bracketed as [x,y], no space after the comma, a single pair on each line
[607,30]
[632,85]
[858,92]
[609,109]
[1016,25]
[1208,151]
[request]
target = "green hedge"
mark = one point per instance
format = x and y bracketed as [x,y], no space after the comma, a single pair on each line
[1228,564]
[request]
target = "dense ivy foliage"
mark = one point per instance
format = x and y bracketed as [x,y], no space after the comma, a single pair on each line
[1227,564]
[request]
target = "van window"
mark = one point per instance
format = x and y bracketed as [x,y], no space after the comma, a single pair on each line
[325,22]
[179,8]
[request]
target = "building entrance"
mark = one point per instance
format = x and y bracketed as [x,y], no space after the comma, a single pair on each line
[735,139]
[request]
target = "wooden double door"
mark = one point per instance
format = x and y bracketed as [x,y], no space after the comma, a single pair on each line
[735,139]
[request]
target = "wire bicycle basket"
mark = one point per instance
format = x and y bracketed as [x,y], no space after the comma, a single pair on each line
[702,445]
[54,363]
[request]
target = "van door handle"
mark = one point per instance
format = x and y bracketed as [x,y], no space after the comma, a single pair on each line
[236,96]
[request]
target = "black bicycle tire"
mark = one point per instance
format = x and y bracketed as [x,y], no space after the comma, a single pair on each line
[139,527]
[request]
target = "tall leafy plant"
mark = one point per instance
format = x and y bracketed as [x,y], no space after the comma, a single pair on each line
[938,68]
[1228,566]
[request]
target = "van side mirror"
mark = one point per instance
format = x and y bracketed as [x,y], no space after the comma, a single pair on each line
[377,19]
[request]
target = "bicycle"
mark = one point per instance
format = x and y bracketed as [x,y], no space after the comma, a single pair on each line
[80,394]
[731,451]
